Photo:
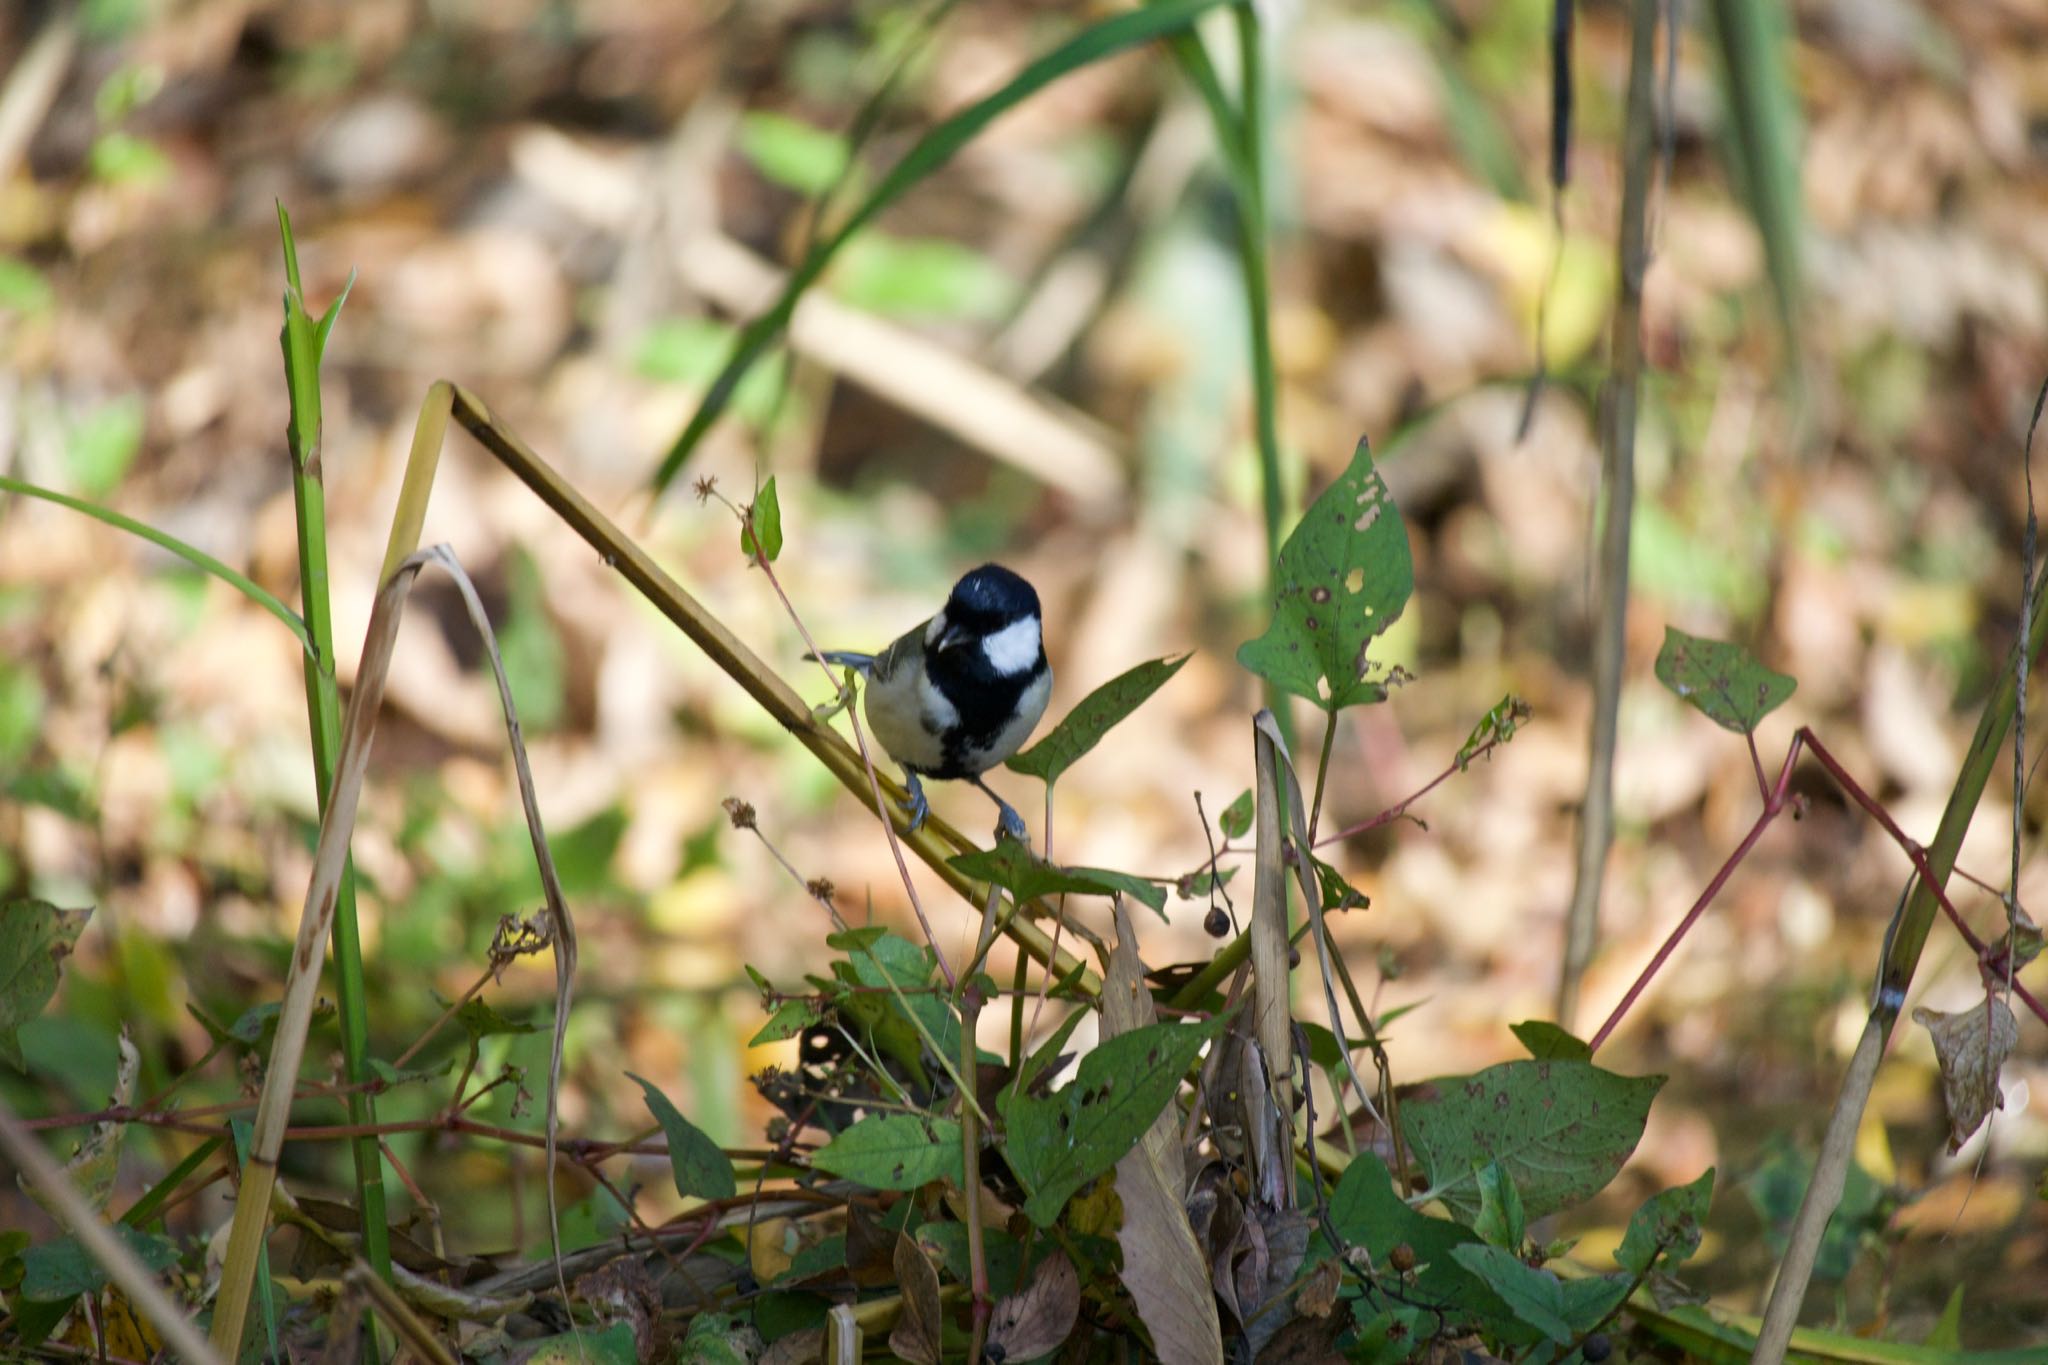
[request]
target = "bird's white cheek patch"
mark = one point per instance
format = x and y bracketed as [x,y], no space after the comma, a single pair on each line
[1014,648]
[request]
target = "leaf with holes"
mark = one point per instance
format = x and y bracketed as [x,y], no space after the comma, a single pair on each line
[895,1152]
[1236,820]
[1344,576]
[1723,682]
[35,937]
[1666,1228]
[701,1170]
[1561,1129]
[1057,1145]
[1083,727]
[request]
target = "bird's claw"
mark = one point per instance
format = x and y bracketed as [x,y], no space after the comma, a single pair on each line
[914,804]
[1010,824]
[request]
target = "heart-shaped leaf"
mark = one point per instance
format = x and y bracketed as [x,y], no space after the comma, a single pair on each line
[1344,576]
[1723,682]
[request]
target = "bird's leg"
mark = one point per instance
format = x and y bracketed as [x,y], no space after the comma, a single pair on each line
[914,801]
[1007,820]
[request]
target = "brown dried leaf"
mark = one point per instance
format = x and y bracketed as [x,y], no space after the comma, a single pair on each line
[1036,1319]
[1319,1294]
[1163,1266]
[1307,1341]
[917,1332]
[1971,1046]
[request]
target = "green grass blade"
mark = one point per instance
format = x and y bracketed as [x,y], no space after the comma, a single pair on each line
[144,1209]
[192,555]
[302,340]
[933,150]
[1763,116]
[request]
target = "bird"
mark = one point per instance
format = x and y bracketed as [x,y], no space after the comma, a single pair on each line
[958,694]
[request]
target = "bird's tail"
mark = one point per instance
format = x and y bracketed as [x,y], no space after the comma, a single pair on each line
[864,664]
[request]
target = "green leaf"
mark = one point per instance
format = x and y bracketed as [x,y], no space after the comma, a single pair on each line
[701,1170]
[1083,727]
[1666,1229]
[1118,33]
[764,516]
[1547,1042]
[535,662]
[23,289]
[1754,44]
[1336,893]
[1048,1051]
[35,937]
[1236,820]
[921,278]
[1560,1128]
[598,1218]
[1058,1144]
[902,1027]
[792,153]
[1723,682]
[63,1269]
[613,1345]
[1495,727]
[1947,1332]
[1559,1309]
[718,1339]
[101,444]
[1501,1221]
[1366,1212]
[480,1020]
[1343,578]
[1012,866]
[791,1017]
[123,158]
[895,1152]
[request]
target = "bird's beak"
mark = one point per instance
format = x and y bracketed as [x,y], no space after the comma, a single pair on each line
[950,637]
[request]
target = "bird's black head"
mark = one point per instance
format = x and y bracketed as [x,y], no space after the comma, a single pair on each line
[988,599]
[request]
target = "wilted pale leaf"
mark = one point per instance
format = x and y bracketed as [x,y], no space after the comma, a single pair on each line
[1971,1047]
[917,1331]
[1035,1320]
[1163,1268]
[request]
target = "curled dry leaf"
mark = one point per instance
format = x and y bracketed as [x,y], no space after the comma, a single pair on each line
[1036,1319]
[1971,1047]
[917,1332]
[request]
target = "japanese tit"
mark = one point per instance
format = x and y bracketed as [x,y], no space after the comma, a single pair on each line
[960,693]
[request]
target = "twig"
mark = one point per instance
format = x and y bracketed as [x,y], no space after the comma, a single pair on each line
[99,1241]
[1618,441]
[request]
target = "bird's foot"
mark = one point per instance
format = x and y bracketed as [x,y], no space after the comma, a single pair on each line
[914,803]
[1009,824]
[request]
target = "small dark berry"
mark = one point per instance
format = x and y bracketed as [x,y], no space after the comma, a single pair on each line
[1216,923]
[1597,1348]
[1402,1258]
[1293,957]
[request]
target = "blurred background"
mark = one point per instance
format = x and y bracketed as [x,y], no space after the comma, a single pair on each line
[1037,356]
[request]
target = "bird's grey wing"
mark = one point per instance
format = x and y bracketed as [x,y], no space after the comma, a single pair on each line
[907,648]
